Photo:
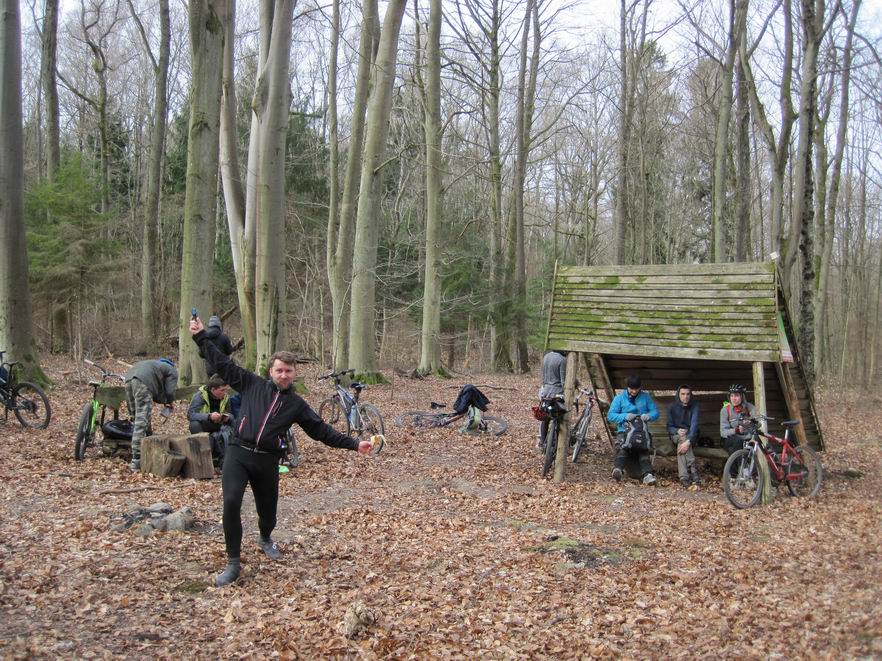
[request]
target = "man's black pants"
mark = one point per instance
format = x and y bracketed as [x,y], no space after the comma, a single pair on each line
[261,470]
[638,459]
[197,427]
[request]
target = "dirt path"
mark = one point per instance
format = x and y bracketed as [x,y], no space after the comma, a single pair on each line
[454,542]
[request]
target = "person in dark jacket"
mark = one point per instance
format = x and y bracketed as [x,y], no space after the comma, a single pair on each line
[146,382]
[210,406]
[683,429]
[215,334]
[269,409]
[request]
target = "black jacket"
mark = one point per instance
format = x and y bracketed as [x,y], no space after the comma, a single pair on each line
[266,410]
[214,335]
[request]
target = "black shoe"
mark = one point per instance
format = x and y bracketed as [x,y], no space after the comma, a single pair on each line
[270,548]
[696,480]
[685,482]
[617,474]
[230,574]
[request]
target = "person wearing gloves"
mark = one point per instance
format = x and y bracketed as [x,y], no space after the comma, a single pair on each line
[683,430]
[146,382]
[628,405]
[270,407]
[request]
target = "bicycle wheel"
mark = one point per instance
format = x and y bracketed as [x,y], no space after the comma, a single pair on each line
[331,411]
[371,420]
[31,405]
[804,473]
[550,447]
[417,419]
[579,434]
[744,488]
[492,425]
[85,433]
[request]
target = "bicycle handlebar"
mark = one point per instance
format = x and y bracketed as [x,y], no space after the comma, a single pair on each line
[336,375]
[105,374]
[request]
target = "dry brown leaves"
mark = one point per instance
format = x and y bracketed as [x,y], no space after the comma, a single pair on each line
[454,543]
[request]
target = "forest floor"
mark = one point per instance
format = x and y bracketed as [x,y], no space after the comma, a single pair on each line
[454,542]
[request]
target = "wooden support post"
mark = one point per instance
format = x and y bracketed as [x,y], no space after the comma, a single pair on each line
[560,461]
[792,400]
[759,401]
[606,384]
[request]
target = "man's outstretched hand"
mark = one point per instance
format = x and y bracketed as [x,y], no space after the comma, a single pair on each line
[196,326]
[365,447]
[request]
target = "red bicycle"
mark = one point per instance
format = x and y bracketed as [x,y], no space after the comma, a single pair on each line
[796,466]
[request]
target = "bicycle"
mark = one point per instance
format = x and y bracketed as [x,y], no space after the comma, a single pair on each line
[551,410]
[436,418]
[344,412]
[797,466]
[579,430]
[94,413]
[24,398]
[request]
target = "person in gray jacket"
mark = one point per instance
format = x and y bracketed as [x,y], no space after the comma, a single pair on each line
[147,382]
[554,373]
[734,418]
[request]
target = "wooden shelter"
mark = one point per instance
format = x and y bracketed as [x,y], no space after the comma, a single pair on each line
[705,325]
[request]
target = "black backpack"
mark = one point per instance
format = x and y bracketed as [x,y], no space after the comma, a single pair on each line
[637,436]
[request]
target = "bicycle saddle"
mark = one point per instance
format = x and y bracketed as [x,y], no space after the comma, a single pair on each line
[437,405]
[355,385]
[790,423]
[94,383]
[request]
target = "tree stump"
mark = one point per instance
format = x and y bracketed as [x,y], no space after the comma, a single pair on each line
[191,453]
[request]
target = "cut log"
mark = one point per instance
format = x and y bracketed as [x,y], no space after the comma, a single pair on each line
[160,458]
[193,449]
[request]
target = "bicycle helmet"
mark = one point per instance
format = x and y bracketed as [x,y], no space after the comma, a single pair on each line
[737,387]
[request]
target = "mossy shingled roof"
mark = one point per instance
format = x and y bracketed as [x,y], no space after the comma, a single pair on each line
[708,311]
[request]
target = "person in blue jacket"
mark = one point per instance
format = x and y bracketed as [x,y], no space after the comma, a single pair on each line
[629,404]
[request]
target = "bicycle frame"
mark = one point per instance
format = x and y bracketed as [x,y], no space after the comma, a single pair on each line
[776,461]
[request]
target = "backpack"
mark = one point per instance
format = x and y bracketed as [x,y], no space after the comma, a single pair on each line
[637,436]
[473,420]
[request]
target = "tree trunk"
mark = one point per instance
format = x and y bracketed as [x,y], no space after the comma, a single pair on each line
[49,75]
[340,268]
[207,27]
[367,228]
[430,352]
[333,169]
[832,195]
[15,296]
[621,214]
[154,179]
[241,233]
[272,105]
[742,187]
[721,142]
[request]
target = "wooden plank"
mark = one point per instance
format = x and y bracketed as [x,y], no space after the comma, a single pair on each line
[698,297]
[666,342]
[615,322]
[750,333]
[666,309]
[684,288]
[671,269]
[569,344]
[683,282]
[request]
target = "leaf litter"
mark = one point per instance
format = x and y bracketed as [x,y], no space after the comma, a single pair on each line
[443,546]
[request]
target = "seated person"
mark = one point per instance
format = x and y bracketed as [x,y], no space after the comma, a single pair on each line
[683,429]
[626,406]
[210,407]
[734,417]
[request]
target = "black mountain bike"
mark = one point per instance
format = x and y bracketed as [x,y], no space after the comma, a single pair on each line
[27,400]
[579,429]
[553,411]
